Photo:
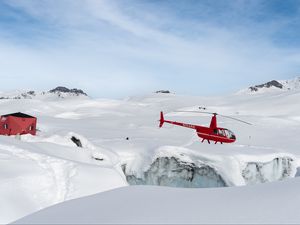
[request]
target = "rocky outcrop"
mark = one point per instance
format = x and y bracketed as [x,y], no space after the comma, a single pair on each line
[60,92]
[273,83]
[163,91]
[61,89]
[24,95]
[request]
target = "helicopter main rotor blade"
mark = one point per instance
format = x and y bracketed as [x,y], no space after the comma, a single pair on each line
[242,121]
[199,112]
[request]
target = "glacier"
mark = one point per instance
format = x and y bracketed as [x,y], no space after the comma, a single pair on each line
[275,170]
[174,172]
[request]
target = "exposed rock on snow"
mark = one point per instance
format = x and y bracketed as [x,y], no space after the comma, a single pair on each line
[173,172]
[58,92]
[76,141]
[61,89]
[273,83]
[163,91]
[18,95]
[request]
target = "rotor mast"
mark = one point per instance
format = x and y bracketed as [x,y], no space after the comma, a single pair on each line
[213,122]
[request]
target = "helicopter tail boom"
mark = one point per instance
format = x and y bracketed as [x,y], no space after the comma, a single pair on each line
[162,120]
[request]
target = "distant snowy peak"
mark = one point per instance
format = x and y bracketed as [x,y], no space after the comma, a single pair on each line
[58,92]
[18,95]
[274,85]
[270,84]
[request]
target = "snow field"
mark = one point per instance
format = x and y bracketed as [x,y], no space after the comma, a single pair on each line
[37,172]
[270,203]
[34,176]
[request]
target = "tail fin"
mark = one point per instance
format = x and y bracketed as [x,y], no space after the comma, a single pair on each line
[162,120]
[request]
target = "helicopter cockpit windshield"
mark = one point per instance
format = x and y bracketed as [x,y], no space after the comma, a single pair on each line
[226,133]
[229,134]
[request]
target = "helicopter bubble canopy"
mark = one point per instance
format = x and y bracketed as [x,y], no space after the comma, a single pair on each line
[226,133]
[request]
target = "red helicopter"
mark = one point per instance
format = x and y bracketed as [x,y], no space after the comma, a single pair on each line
[211,133]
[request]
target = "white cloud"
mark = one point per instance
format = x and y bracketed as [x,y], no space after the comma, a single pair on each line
[102,46]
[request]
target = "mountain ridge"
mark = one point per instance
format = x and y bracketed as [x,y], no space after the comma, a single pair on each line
[273,86]
[58,92]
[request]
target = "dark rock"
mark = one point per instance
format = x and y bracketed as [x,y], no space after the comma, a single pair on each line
[163,91]
[76,141]
[61,89]
[31,93]
[273,83]
[99,159]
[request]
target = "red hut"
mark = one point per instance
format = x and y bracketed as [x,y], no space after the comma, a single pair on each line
[17,123]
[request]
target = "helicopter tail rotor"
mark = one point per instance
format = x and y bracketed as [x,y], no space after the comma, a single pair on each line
[162,120]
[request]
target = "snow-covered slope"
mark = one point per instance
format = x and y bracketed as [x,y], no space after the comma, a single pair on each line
[36,173]
[272,203]
[122,145]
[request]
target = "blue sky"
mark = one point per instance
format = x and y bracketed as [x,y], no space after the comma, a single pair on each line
[118,48]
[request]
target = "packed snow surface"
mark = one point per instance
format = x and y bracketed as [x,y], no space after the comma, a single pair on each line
[121,144]
[272,203]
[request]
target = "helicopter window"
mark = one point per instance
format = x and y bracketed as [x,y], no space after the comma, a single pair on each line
[229,134]
[226,133]
[221,132]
